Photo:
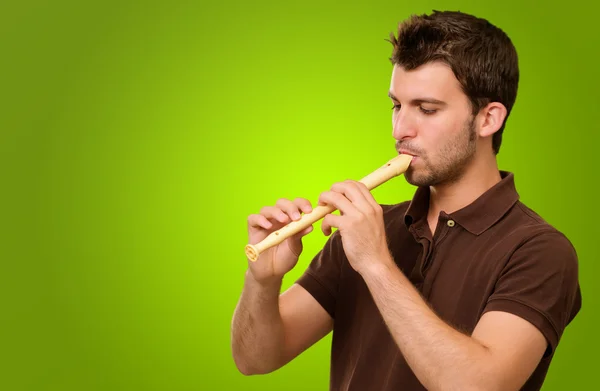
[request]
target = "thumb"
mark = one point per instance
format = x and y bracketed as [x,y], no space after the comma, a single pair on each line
[295,241]
[305,231]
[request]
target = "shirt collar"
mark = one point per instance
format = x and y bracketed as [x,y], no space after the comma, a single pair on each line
[479,215]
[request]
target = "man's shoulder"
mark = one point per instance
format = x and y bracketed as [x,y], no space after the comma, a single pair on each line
[533,230]
[532,222]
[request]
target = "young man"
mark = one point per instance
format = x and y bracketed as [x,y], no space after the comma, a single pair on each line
[462,288]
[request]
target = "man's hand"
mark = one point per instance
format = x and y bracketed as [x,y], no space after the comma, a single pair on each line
[273,263]
[360,224]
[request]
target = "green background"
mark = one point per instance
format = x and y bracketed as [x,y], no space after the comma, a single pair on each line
[136,137]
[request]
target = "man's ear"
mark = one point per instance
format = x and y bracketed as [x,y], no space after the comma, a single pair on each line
[491,118]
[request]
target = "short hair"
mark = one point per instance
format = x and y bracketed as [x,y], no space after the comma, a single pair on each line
[481,55]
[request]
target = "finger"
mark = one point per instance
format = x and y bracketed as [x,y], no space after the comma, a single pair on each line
[289,208]
[330,221]
[368,196]
[295,241]
[304,232]
[352,191]
[303,204]
[272,212]
[339,201]
[259,221]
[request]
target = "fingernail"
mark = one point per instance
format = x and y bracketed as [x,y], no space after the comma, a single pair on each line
[296,215]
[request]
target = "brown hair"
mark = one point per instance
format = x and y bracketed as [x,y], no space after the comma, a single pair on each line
[481,56]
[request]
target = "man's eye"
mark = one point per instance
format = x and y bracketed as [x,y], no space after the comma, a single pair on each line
[425,111]
[396,107]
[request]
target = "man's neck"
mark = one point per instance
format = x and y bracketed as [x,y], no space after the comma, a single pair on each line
[478,178]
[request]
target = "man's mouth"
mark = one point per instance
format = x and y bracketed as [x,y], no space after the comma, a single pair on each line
[403,152]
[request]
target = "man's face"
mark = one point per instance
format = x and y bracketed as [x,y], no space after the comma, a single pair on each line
[432,120]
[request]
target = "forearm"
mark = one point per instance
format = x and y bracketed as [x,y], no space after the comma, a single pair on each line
[257,332]
[440,356]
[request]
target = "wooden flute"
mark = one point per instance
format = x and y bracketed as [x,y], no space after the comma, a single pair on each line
[393,168]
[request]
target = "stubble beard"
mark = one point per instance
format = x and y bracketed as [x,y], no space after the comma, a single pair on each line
[453,158]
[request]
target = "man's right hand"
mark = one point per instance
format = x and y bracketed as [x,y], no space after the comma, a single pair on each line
[273,263]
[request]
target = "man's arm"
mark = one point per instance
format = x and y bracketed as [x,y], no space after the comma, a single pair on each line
[504,349]
[501,353]
[269,329]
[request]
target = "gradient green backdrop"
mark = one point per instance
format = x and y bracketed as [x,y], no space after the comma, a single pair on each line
[136,137]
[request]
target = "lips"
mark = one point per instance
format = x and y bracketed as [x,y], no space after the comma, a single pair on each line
[403,152]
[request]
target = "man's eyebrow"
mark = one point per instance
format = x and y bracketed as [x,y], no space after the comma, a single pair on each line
[420,100]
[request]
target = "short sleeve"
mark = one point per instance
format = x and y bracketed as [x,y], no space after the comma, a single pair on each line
[321,278]
[540,284]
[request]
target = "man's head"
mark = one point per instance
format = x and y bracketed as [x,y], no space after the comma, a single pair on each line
[453,86]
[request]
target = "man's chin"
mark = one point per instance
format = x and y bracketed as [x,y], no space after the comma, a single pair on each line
[415,179]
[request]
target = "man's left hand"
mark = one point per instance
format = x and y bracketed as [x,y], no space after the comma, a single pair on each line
[360,224]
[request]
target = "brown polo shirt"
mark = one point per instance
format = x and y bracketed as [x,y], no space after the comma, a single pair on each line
[495,254]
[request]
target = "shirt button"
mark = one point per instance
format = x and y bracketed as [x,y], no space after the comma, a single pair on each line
[450,223]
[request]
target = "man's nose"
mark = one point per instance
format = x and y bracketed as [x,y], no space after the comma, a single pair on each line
[403,125]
